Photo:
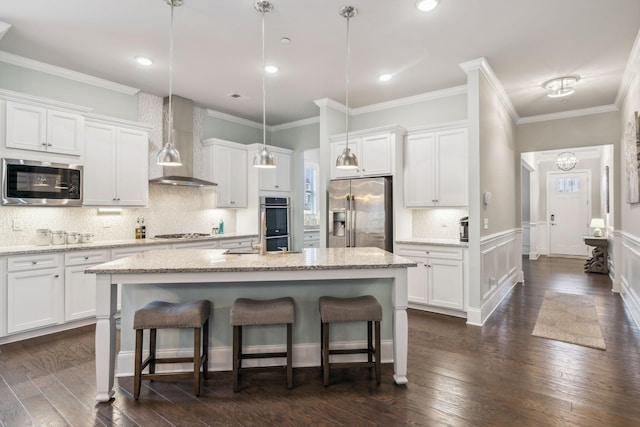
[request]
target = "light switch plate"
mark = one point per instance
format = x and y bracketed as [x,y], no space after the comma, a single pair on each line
[17,225]
[486,223]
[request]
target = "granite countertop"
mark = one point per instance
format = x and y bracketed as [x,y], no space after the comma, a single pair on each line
[111,244]
[430,241]
[215,260]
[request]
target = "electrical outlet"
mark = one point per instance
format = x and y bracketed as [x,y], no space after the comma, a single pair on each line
[106,223]
[17,225]
[486,223]
[445,225]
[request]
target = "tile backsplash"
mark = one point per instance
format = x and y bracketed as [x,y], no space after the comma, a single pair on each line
[171,210]
[437,223]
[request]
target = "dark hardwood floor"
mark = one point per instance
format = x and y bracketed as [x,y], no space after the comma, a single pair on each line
[497,375]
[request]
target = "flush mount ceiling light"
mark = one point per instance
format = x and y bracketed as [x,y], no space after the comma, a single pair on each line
[264,159]
[271,69]
[427,5]
[566,161]
[169,155]
[560,86]
[144,61]
[347,159]
[385,77]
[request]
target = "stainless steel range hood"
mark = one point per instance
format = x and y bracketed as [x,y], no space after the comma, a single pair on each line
[183,127]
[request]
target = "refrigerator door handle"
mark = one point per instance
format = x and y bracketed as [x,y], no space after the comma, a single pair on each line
[352,224]
[347,225]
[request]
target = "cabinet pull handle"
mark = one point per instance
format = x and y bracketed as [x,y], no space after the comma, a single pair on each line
[56,276]
[44,143]
[86,257]
[34,262]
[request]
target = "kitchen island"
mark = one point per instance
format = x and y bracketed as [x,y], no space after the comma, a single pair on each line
[179,275]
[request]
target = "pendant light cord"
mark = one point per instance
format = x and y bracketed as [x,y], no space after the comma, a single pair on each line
[346,115]
[264,91]
[170,120]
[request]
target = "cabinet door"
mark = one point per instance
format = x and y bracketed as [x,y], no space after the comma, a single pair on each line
[376,155]
[26,127]
[230,173]
[278,178]
[64,133]
[99,165]
[132,165]
[34,299]
[452,167]
[419,177]
[79,293]
[336,149]
[445,283]
[417,282]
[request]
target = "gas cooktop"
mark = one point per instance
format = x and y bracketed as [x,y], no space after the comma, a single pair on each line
[181,236]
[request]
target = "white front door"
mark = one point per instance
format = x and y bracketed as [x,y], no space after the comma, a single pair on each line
[568,211]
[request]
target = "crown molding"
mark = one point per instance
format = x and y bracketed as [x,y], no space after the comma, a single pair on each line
[439,126]
[410,100]
[568,114]
[482,65]
[21,61]
[630,72]
[118,121]
[295,124]
[235,119]
[328,102]
[10,95]
[4,27]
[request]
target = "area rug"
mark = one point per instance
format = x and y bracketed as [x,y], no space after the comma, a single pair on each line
[570,318]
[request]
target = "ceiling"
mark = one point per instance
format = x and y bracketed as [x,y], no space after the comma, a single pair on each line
[217,48]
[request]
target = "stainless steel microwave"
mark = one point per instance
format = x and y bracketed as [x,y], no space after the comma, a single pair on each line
[32,183]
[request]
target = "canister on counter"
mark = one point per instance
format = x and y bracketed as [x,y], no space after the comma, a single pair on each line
[58,237]
[73,237]
[43,237]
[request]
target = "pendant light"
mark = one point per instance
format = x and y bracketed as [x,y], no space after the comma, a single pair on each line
[169,155]
[347,159]
[264,159]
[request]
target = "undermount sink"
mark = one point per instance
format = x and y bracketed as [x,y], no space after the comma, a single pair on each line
[249,251]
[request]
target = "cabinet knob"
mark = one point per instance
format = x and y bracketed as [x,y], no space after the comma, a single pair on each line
[429,266]
[34,262]
[277,186]
[44,144]
[86,257]
[49,144]
[56,276]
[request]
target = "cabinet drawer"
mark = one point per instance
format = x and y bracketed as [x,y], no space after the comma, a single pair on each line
[31,262]
[236,243]
[419,251]
[197,245]
[310,236]
[85,257]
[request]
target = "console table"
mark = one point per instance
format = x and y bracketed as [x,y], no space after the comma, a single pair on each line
[598,263]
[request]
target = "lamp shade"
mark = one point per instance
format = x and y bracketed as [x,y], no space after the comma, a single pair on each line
[264,159]
[347,160]
[168,156]
[597,224]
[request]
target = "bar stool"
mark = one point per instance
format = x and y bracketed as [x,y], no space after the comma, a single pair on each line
[246,312]
[358,309]
[164,315]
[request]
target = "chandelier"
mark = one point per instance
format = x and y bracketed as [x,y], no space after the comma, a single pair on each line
[566,161]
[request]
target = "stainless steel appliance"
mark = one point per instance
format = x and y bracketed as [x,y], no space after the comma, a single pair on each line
[464,229]
[26,182]
[277,226]
[361,213]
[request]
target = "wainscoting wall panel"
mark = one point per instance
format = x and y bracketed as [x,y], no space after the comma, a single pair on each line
[628,266]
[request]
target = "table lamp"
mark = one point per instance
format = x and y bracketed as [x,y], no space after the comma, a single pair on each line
[597,224]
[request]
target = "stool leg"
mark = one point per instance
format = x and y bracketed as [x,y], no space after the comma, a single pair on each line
[138,364]
[289,355]
[325,353]
[369,342]
[321,346]
[237,343]
[205,349]
[152,350]
[196,361]
[378,351]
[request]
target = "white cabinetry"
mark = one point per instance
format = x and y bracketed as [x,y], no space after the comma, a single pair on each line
[436,168]
[227,167]
[116,165]
[438,280]
[80,288]
[375,150]
[36,128]
[311,239]
[209,244]
[34,291]
[278,178]
[243,243]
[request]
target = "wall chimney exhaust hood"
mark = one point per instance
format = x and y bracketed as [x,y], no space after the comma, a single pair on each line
[183,134]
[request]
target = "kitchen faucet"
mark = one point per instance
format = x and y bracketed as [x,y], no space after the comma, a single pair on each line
[263,244]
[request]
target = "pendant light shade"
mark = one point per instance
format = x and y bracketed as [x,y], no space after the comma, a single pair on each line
[347,159]
[169,155]
[264,159]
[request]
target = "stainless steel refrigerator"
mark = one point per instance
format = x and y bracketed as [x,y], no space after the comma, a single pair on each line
[360,213]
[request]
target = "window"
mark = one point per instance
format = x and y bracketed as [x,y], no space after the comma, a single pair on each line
[568,185]
[310,188]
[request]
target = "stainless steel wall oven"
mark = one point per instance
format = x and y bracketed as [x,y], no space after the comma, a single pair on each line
[277,215]
[27,182]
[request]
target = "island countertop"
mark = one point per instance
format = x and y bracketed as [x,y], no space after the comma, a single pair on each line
[215,260]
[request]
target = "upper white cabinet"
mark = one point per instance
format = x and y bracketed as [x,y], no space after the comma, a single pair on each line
[227,167]
[436,168]
[31,127]
[375,150]
[278,178]
[116,165]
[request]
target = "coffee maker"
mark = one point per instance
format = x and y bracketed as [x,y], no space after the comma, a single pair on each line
[464,229]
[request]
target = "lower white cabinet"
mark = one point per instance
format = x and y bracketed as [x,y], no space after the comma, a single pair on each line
[311,239]
[438,280]
[80,288]
[244,242]
[209,244]
[35,286]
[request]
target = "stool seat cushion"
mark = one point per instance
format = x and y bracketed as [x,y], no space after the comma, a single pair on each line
[245,311]
[161,314]
[357,309]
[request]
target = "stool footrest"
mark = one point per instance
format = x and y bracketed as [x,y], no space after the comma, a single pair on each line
[167,375]
[263,355]
[352,351]
[341,365]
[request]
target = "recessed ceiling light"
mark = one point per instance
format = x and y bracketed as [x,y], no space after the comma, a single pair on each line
[385,77]
[271,69]
[285,40]
[427,5]
[143,60]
